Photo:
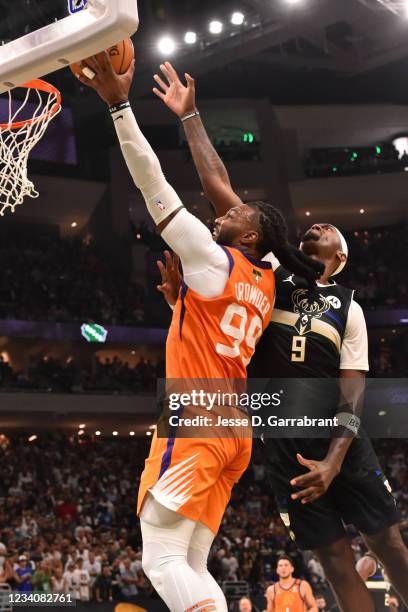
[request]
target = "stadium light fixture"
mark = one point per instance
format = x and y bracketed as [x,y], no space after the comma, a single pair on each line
[216,27]
[307,213]
[167,45]
[114,433]
[190,38]
[82,426]
[81,432]
[131,433]
[362,211]
[97,433]
[237,18]
[32,438]
[74,224]
[148,433]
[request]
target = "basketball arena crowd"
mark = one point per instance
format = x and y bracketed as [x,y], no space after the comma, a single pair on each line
[68,523]
[48,278]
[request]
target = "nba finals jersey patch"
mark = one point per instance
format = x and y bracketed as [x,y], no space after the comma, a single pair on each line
[257,275]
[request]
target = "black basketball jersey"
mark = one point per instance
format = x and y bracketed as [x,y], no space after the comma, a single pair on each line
[306,332]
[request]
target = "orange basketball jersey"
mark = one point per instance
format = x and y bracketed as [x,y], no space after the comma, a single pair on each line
[216,337]
[289,600]
[209,339]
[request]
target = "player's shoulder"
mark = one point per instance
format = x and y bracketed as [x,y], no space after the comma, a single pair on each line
[356,313]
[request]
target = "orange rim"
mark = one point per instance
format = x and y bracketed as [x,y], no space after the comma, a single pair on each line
[40,86]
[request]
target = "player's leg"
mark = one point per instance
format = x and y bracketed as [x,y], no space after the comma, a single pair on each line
[365,499]
[238,452]
[318,526]
[199,549]
[390,549]
[338,563]
[166,541]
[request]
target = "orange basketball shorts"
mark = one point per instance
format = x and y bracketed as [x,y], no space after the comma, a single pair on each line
[195,476]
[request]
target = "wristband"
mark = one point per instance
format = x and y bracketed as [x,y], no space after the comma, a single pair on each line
[189,116]
[348,421]
[118,107]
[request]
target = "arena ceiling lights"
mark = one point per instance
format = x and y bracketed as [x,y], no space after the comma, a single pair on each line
[167,45]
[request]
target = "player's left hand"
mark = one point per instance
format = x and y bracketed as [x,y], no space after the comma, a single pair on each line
[170,277]
[113,88]
[314,484]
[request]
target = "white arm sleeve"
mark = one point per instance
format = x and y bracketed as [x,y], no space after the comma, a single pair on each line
[144,166]
[205,263]
[354,350]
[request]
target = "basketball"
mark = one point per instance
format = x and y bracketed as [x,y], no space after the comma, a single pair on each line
[121,56]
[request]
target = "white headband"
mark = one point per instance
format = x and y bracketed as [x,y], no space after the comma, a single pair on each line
[344,249]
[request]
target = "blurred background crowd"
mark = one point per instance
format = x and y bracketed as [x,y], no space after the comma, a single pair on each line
[67,520]
[49,278]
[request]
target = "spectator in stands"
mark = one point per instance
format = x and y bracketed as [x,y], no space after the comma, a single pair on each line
[129,580]
[82,579]
[24,573]
[245,605]
[42,578]
[93,567]
[70,585]
[321,602]
[57,581]
[103,585]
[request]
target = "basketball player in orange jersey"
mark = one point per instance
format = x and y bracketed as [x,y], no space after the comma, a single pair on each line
[224,306]
[289,594]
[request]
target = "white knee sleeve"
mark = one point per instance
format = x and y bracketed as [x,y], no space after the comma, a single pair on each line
[166,538]
[197,558]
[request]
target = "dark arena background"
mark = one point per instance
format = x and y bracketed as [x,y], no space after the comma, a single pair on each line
[306,101]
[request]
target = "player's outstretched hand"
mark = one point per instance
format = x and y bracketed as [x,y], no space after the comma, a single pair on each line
[316,482]
[113,88]
[171,277]
[178,97]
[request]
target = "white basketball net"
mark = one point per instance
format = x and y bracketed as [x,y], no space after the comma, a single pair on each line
[16,144]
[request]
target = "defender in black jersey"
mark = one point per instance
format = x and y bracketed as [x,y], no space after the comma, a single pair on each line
[315,332]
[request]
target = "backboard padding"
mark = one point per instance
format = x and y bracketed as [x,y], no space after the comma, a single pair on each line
[102,24]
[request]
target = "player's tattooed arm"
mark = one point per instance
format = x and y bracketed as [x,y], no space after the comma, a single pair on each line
[213,175]
[321,474]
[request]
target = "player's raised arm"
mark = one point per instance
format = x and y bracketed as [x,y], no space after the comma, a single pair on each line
[203,260]
[211,170]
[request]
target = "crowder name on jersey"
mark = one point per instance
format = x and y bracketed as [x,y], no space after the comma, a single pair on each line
[246,292]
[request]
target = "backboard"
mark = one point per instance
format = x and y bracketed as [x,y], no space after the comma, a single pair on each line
[40,36]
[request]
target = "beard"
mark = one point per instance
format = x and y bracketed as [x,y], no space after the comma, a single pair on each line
[311,235]
[310,242]
[224,237]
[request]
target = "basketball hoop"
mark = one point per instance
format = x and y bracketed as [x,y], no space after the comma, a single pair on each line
[42,102]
